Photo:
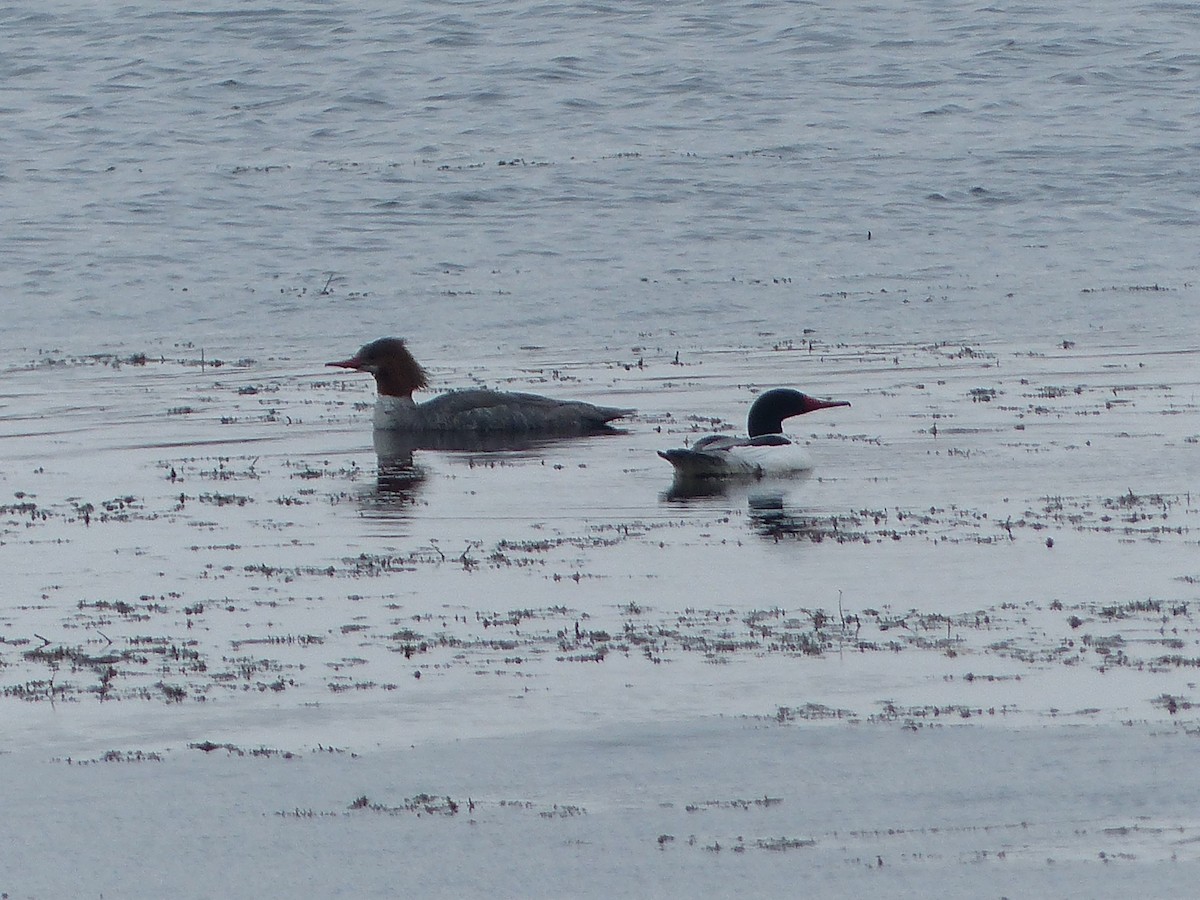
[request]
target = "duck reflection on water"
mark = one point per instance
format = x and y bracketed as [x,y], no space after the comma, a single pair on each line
[399,478]
[774,508]
[773,518]
[401,474]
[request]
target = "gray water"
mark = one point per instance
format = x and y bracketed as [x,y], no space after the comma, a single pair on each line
[977,223]
[296,178]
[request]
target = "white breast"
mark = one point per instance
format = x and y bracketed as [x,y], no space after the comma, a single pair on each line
[767,462]
[725,458]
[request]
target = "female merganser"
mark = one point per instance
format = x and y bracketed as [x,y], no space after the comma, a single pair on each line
[765,452]
[468,412]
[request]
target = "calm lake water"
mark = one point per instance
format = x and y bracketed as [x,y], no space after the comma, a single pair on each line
[965,647]
[479,176]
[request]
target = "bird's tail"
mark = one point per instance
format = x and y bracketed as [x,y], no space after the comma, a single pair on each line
[696,463]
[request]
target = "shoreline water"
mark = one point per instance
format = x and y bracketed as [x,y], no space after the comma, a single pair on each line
[958,659]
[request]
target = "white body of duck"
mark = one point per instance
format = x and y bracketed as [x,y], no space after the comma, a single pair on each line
[765,453]
[467,412]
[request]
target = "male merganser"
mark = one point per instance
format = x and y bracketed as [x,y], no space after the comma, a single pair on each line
[765,452]
[465,412]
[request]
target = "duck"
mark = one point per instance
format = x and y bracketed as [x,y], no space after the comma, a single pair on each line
[765,452]
[469,413]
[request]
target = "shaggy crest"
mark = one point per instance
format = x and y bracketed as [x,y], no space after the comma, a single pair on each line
[397,373]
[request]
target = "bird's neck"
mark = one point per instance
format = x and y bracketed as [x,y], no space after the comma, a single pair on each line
[764,422]
[395,412]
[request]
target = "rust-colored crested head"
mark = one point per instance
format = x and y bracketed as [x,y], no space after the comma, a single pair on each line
[396,373]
